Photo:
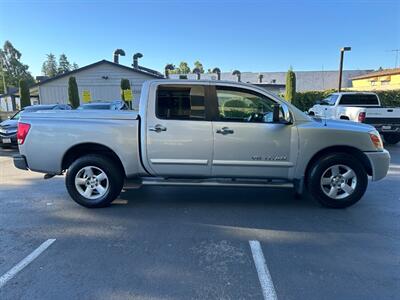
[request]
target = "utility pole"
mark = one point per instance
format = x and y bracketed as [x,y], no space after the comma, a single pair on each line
[397,56]
[341,66]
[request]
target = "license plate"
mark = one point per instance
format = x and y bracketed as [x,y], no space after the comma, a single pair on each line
[6,141]
[385,127]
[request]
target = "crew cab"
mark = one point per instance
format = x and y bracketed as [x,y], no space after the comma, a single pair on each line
[361,107]
[202,133]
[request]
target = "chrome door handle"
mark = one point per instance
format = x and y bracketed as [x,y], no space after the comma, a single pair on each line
[158,128]
[225,130]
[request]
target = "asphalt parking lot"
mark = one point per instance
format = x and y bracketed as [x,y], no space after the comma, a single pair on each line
[193,243]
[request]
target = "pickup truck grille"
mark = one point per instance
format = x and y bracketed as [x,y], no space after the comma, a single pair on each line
[382,120]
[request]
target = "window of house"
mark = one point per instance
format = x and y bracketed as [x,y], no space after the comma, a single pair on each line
[180,102]
[238,105]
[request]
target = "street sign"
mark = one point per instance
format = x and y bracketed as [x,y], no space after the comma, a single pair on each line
[86,96]
[128,95]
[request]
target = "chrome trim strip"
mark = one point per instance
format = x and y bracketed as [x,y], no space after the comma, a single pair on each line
[162,161]
[242,163]
[216,183]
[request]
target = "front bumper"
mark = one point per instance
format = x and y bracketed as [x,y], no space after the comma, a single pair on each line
[20,162]
[380,163]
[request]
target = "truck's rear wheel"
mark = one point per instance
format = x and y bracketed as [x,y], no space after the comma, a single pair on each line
[94,181]
[391,138]
[337,180]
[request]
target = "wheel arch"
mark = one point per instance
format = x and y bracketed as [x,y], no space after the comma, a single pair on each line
[82,149]
[358,154]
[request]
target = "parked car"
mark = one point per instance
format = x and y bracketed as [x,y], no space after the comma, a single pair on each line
[363,108]
[204,133]
[8,128]
[110,105]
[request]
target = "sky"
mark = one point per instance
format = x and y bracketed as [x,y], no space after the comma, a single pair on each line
[252,35]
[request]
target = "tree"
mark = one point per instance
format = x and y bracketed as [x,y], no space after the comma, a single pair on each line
[184,68]
[63,64]
[125,85]
[74,66]
[14,70]
[290,85]
[24,95]
[49,67]
[73,93]
[199,65]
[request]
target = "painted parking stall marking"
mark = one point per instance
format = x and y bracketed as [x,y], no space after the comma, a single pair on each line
[264,276]
[25,262]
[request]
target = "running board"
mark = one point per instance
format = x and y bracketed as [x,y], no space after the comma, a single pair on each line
[210,183]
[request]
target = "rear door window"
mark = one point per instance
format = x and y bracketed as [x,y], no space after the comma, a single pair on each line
[181,102]
[359,99]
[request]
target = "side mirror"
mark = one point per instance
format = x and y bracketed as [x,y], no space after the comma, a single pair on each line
[281,114]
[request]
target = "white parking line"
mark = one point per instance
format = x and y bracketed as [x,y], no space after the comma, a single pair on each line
[267,286]
[26,261]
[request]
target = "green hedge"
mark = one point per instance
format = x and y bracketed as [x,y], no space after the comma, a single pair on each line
[305,100]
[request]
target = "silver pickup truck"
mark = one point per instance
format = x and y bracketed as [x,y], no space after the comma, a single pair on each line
[203,133]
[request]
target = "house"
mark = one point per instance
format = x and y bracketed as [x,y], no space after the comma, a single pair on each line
[275,82]
[11,102]
[98,81]
[381,80]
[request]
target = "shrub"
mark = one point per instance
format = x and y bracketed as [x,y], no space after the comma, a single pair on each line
[25,97]
[290,85]
[73,93]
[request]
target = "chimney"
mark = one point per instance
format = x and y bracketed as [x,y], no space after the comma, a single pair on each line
[218,72]
[117,53]
[197,72]
[136,57]
[238,75]
[260,78]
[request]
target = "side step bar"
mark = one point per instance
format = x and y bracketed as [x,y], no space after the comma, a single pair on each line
[209,183]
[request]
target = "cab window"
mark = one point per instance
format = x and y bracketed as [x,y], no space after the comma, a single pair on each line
[240,105]
[180,102]
[359,99]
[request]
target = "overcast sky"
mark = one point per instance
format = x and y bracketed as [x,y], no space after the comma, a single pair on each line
[251,35]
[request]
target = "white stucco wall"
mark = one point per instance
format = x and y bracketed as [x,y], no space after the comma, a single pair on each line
[56,91]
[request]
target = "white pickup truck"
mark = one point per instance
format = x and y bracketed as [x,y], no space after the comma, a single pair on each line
[202,133]
[361,107]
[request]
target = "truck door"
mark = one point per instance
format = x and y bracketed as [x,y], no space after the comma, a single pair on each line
[179,132]
[246,142]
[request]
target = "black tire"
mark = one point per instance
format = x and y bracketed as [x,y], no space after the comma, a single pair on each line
[391,138]
[318,169]
[115,180]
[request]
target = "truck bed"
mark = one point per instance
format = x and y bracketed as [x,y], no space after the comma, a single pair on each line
[54,133]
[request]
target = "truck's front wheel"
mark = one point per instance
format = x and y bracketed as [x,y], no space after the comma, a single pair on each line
[94,181]
[337,180]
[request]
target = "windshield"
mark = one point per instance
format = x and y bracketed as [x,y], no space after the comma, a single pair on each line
[16,116]
[330,100]
[95,106]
